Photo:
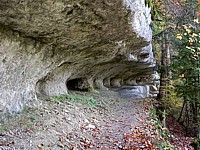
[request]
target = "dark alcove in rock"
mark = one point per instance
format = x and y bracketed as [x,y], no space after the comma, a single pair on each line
[78,84]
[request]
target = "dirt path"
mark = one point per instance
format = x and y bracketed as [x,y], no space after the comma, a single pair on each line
[70,125]
[122,120]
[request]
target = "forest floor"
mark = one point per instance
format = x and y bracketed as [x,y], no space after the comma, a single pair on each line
[90,121]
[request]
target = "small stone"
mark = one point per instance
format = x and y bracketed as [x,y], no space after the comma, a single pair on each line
[90,126]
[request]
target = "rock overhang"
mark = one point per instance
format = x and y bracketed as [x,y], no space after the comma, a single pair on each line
[46,43]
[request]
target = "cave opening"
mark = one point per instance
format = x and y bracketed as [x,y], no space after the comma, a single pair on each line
[78,84]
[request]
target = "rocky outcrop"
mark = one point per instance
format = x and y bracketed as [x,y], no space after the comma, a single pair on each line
[50,46]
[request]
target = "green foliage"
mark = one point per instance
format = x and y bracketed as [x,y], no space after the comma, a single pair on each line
[186,69]
[2,129]
[178,21]
[85,100]
[195,143]
[161,131]
[154,9]
[186,65]
[26,110]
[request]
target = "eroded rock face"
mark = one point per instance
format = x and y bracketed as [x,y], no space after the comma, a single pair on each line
[45,44]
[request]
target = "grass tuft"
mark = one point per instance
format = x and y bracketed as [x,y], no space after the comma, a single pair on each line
[85,100]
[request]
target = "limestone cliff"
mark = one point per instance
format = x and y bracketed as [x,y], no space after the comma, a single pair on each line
[50,46]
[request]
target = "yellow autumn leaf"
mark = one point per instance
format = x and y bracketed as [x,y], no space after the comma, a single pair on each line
[182,1]
[198,48]
[194,35]
[196,20]
[188,30]
[178,36]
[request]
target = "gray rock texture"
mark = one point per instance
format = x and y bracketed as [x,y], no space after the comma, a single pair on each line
[50,46]
[135,92]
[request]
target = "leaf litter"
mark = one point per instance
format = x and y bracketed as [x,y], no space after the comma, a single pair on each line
[124,124]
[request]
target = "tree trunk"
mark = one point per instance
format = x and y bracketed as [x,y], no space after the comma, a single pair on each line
[165,73]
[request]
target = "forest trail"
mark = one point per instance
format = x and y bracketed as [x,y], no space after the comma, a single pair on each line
[82,121]
[73,125]
[120,122]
